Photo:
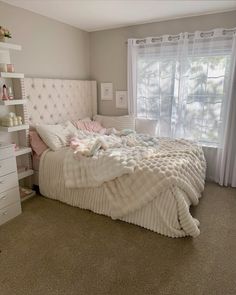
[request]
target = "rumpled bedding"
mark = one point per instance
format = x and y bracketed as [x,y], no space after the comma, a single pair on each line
[134,169]
[95,159]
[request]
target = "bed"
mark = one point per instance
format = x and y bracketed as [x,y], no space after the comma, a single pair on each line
[166,212]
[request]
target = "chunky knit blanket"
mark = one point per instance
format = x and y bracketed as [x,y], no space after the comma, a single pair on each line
[178,165]
[95,159]
[141,170]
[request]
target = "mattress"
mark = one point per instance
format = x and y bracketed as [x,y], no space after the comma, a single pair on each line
[158,215]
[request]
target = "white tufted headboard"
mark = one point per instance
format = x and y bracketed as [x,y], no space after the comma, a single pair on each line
[52,101]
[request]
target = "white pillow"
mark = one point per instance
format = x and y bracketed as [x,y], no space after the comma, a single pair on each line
[56,136]
[86,119]
[117,122]
[146,126]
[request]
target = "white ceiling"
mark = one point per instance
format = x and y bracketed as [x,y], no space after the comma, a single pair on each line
[94,15]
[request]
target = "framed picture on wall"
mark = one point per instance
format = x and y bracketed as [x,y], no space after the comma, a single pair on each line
[121,100]
[106,91]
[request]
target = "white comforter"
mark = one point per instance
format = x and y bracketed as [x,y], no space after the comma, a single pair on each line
[153,168]
[96,159]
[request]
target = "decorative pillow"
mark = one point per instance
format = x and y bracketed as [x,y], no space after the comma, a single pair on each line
[92,126]
[38,146]
[79,124]
[117,122]
[86,119]
[56,136]
[146,126]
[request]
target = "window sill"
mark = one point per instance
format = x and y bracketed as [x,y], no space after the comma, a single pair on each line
[209,145]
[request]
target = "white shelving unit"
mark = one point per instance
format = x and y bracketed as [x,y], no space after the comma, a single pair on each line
[23,151]
[28,196]
[17,134]
[12,102]
[25,173]
[9,46]
[14,128]
[11,75]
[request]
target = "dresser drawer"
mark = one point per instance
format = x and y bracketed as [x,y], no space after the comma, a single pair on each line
[10,212]
[9,197]
[7,166]
[6,152]
[8,182]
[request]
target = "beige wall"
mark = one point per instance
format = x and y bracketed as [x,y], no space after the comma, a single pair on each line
[55,50]
[50,49]
[108,52]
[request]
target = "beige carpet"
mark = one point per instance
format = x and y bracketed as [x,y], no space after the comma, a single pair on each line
[53,249]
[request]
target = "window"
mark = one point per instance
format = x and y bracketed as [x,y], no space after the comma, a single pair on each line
[183,88]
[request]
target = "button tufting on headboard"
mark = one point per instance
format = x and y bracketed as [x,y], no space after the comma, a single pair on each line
[52,101]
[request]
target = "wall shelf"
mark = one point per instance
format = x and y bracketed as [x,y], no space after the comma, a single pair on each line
[12,102]
[25,174]
[9,46]
[14,128]
[23,151]
[11,75]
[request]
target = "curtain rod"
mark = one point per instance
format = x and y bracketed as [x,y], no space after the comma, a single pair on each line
[204,33]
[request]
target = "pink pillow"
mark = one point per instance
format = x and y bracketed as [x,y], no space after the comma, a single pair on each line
[38,146]
[92,126]
[79,124]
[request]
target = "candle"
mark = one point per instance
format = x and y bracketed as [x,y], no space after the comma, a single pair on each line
[10,68]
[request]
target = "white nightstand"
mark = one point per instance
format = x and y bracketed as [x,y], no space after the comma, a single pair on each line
[10,205]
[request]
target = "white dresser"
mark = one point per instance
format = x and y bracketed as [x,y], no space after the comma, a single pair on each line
[10,205]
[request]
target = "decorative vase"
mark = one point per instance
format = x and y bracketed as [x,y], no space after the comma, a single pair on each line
[2,38]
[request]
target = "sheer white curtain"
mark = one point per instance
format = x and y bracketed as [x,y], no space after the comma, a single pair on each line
[184,85]
[225,169]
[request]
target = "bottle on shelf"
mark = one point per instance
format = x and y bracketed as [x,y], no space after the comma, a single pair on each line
[10,93]
[4,92]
